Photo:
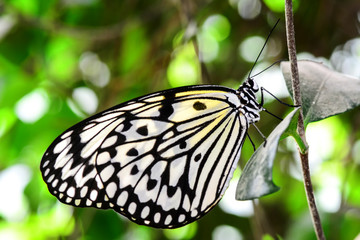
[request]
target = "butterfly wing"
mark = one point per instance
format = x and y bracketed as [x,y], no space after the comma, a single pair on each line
[162,160]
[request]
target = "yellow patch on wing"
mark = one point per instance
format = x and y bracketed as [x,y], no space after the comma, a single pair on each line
[197,92]
[155,99]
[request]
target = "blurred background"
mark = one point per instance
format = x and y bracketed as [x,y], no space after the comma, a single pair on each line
[64,60]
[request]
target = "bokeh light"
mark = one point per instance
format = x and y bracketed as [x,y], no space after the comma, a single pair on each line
[249,9]
[13,205]
[215,29]
[249,48]
[232,206]
[32,106]
[226,232]
[84,101]
[94,70]
[184,67]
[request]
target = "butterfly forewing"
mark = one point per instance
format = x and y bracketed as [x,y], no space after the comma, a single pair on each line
[161,160]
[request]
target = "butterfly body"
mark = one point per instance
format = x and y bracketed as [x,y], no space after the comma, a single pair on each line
[162,160]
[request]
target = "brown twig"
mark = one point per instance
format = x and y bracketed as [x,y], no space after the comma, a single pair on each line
[290,32]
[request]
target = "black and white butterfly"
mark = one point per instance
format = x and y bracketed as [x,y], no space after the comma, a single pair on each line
[162,160]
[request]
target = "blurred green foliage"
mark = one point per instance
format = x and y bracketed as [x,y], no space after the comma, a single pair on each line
[118,50]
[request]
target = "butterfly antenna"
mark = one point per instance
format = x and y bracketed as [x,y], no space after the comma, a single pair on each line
[278,61]
[262,49]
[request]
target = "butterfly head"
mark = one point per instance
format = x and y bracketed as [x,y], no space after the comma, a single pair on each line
[250,83]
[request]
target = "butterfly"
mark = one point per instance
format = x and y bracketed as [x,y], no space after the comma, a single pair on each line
[162,160]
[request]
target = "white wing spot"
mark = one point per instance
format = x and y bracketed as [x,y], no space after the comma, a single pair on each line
[168,219]
[132,208]
[99,205]
[63,186]
[157,217]
[83,191]
[71,192]
[46,163]
[181,218]
[88,202]
[51,178]
[68,200]
[55,182]
[103,158]
[111,189]
[194,213]
[122,199]
[145,212]
[46,172]
[93,195]
[77,202]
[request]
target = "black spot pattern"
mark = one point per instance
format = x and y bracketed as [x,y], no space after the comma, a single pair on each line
[121,138]
[142,130]
[132,152]
[151,184]
[134,170]
[171,191]
[182,145]
[197,157]
[166,110]
[199,106]
[127,126]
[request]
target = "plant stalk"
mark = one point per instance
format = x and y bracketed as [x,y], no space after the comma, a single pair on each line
[290,32]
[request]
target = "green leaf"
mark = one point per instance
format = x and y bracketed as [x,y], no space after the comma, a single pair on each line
[324,92]
[256,178]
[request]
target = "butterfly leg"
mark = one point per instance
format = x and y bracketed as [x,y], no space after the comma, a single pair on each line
[252,143]
[262,98]
[261,134]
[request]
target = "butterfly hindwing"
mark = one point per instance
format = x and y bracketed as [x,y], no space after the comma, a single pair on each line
[161,160]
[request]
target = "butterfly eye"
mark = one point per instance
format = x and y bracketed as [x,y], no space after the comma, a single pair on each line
[255,87]
[251,83]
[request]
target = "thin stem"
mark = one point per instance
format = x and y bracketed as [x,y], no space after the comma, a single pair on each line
[290,32]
